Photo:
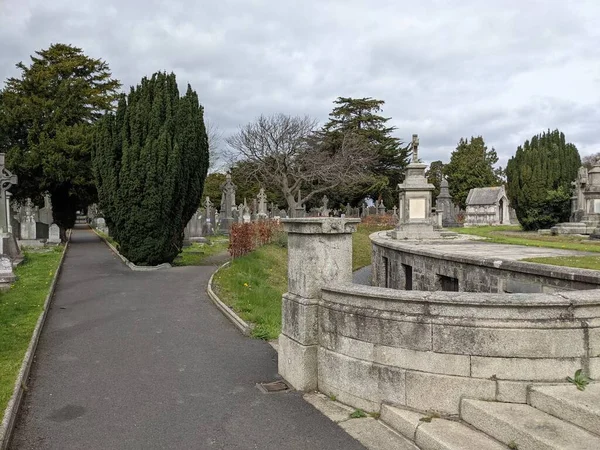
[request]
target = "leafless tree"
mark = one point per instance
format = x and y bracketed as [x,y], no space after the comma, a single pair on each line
[590,160]
[215,145]
[286,153]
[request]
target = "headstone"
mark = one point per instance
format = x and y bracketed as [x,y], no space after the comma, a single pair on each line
[7,180]
[246,217]
[101,225]
[381,208]
[208,219]
[54,234]
[28,224]
[227,203]
[262,204]
[6,273]
[348,211]
[325,210]
[300,209]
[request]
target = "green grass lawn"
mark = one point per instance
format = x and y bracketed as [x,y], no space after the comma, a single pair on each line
[581,262]
[514,235]
[20,308]
[195,254]
[253,284]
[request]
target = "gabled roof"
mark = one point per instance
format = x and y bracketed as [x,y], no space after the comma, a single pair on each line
[485,196]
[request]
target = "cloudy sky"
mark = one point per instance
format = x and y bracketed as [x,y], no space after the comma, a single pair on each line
[505,69]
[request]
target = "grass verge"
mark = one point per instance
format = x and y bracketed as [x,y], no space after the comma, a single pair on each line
[515,236]
[197,253]
[20,308]
[252,285]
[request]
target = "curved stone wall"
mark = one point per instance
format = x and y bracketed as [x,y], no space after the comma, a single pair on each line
[475,266]
[426,350]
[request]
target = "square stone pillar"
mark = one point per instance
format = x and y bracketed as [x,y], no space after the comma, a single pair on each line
[319,253]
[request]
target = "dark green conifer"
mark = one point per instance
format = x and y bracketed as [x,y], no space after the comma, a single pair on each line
[539,180]
[150,163]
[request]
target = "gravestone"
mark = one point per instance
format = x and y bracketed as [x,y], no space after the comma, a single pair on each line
[209,219]
[227,204]
[246,217]
[6,273]
[325,209]
[28,223]
[262,204]
[54,234]
[101,225]
[381,208]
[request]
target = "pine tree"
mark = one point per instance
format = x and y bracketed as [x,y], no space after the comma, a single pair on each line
[471,166]
[361,117]
[150,163]
[539,180]
[435,174]
[46,121]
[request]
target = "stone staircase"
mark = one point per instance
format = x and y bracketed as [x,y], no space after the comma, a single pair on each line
[556,417]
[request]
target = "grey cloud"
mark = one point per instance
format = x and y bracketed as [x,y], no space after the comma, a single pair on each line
[445,69]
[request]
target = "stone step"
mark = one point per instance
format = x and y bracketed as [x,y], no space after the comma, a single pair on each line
[525,427]
[568,403]
[438,434]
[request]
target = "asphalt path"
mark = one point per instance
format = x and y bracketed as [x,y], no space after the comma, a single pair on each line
[143,360]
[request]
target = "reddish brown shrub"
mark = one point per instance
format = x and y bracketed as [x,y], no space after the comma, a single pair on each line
[245,237]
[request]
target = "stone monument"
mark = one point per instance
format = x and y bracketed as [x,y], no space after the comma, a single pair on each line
[414,213]
[54,234]
[585,204]
[262,204]
[227,204]
[446,206]
[8,243]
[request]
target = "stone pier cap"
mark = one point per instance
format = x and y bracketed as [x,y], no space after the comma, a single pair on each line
[320,225]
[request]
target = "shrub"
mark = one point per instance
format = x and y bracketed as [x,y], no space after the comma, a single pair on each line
[245,237]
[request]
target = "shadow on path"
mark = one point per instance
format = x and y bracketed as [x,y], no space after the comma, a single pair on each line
[143,360]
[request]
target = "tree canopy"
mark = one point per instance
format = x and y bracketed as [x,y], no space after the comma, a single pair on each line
[471,166]
[284,153]
[46,122]
[539,180]
[361,117]
[150,163]
[435,174]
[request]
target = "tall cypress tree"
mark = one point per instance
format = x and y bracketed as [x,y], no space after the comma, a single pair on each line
[150,163]
[539,180]
[471,166]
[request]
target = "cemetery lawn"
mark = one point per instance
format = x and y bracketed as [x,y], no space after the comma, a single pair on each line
[252,285]
[510,234]
[581,262]
[20,308]
[195,254]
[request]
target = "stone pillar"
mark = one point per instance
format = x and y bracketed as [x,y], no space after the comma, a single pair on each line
[319,253]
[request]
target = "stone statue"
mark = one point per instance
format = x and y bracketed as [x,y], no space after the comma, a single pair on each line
[415,148]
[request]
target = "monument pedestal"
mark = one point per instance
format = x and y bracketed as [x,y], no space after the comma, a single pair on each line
[415,230]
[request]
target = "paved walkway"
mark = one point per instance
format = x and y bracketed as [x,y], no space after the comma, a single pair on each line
[143,360]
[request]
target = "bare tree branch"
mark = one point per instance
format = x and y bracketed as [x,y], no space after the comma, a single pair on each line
[287,153]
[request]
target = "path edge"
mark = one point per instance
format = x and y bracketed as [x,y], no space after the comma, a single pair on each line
[241,325]
[128,263]
[14,403]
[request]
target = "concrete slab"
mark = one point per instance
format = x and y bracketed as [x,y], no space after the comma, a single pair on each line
[374,435]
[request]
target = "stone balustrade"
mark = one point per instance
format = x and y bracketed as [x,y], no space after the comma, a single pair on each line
[421,349]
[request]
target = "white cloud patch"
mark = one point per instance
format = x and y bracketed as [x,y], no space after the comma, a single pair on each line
[504,70]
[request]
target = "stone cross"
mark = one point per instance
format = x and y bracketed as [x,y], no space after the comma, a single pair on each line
[262,203]
[228,202]
[7,179]
[415,148]
[325,201]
